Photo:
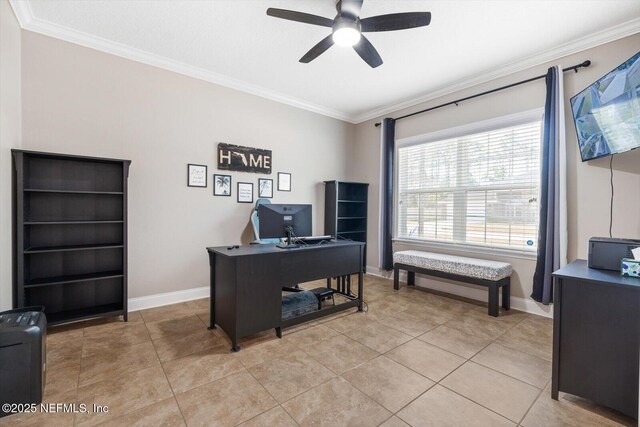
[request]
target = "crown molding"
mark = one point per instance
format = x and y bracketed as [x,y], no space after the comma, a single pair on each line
[23,12]
[29,22]
[596,39]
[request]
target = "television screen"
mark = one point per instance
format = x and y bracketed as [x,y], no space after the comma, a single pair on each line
[607,113]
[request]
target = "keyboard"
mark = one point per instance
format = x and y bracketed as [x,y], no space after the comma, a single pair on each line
[314,239]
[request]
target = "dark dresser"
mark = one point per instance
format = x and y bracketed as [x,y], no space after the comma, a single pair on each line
[596,336]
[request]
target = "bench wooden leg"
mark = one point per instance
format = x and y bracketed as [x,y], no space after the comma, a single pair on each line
[506,296]
[396,278]
[493,299]
[411,278]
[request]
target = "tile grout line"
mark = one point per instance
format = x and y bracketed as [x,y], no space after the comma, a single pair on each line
[462,364]
[385,354]
[248,369]
[533,403]
[469,360]
[479,404]
[164,372]
[262,413]
[506,375]
[77,399]
[453,391]
[468,398]
[339,375]
[435,383]
[79,371]
[376,401]
[276,400]
[335,376]
[268,392]
[124,373]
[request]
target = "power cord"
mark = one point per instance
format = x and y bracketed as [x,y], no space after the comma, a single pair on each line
[294,239]
[611,204]
[297,240]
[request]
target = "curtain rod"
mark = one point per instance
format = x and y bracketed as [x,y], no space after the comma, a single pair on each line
[574,68]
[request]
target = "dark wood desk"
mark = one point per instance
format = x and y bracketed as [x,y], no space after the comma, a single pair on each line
[596,336]
[246,283]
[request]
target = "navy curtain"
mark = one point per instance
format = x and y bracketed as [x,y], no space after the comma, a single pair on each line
[386,181]
[548,233]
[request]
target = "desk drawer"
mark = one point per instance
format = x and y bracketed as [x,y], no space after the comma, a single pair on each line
[307,265]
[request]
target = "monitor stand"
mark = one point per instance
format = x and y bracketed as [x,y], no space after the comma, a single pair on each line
[288,245]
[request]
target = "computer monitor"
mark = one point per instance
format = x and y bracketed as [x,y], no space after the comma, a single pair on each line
[278,221]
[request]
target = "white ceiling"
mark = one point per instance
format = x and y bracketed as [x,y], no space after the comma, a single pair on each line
[234,43]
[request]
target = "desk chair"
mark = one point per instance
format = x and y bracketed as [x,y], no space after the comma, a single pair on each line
[255,222]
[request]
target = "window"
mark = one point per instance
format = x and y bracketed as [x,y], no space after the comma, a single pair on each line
[476,186]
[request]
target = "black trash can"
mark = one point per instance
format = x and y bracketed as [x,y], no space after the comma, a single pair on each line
[23,357]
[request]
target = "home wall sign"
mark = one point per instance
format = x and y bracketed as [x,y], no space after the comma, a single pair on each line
[243,159]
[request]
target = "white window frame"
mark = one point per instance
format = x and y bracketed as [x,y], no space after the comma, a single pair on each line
[460,131]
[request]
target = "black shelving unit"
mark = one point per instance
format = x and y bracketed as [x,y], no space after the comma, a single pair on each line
[70,235]
[345,215]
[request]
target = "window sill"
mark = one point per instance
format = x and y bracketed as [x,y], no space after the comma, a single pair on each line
[466,249]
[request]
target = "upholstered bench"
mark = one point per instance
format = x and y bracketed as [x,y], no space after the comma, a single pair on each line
[492,274]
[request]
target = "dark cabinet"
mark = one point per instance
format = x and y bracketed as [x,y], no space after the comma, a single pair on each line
[345,215]
[70,235]
[596,336]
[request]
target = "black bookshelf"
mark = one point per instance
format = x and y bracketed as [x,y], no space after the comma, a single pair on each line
[345,215]
[70,235]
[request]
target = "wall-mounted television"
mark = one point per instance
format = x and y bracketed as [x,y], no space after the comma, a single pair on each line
[607,113]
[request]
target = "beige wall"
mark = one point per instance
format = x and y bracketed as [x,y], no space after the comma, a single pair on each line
[77,100]
[588,183]
[81,101]
[10,111]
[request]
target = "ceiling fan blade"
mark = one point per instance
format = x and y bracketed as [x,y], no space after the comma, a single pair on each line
[395,21]
[349,8]
[365,49]
[306,18]
[318,49]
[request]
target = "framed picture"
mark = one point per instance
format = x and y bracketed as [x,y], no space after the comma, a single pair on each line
[221,185]
[265,188]
[245,192]
[284,181]
[196,175]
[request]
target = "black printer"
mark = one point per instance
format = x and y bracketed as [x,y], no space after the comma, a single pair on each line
[606,253]
[23,334]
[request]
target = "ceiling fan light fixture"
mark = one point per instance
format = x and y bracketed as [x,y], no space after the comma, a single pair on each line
[347,28]
[346,36]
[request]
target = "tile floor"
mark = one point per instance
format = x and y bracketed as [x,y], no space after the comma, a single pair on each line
[415,358]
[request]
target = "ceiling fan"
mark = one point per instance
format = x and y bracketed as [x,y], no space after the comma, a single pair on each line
[347,28]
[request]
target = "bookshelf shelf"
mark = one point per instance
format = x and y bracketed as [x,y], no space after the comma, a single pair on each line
[70,251]
[345,214]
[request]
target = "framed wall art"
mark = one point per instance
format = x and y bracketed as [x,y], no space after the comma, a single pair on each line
[284,181]
[245,192]
[243,159]
[265,188]
[196,175]
[221,185]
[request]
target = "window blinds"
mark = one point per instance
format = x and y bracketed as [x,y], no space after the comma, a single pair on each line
[477,189]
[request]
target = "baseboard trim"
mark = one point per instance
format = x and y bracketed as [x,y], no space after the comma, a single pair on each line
[475,293]
[522,304]
[158,300]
